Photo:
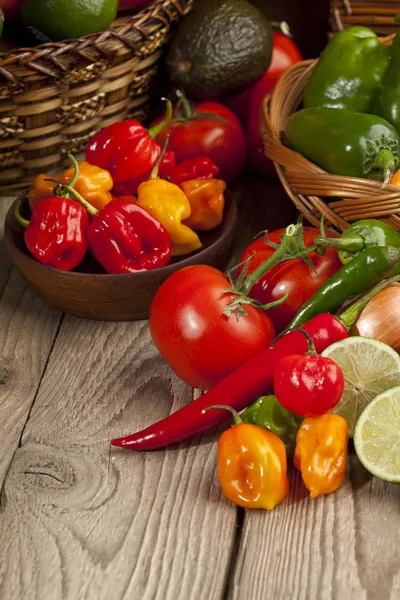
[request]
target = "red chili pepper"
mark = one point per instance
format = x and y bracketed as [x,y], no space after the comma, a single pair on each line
[193,168]
[308,385]
[126,149]
[252,379]
[130,187]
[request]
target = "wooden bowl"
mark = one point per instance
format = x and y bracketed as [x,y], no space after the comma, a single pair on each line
[92,293]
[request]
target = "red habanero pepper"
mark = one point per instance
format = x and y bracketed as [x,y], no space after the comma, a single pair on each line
[56,235]
[126,149]
[251,380]
[130,186]
[125,238]
[193,168]
[308,384]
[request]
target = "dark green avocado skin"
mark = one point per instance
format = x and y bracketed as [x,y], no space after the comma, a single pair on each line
[220,49]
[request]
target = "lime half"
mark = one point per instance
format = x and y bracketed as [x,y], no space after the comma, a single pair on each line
[369,368]
[377,436]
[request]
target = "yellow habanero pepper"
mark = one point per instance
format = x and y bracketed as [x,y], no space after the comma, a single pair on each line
[167,203]
[252,465]
[94,184]
[320,454]
[206,198]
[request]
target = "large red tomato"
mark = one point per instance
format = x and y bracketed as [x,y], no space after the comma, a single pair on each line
[293,276]
[208,129]
[199,343]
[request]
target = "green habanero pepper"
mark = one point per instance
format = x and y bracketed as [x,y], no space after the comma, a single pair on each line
[349,71]
[353,279]
[344,142]
[387,103]
[268,413]
[359,236]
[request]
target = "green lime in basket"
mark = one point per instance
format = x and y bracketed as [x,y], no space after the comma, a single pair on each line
[67,19]
[369,368]
[377,436]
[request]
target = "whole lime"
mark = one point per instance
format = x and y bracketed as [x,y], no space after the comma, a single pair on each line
[67,19]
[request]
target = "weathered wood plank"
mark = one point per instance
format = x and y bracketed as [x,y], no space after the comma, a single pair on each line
[97,525]
[339,546]
[79,521]
[27,331]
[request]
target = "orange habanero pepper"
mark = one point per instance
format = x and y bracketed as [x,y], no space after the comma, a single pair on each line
[206,199]
[252,465]
[94,184]
[320,454]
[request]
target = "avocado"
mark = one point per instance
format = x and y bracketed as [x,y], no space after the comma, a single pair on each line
[221,48]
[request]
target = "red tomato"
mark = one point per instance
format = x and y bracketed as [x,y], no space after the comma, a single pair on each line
[10,8]
[284,54]
[308,385]
[188,328]
[293,276]
[219,136]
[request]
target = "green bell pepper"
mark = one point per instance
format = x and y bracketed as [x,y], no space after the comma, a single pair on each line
[349,71]
[359,236]
[268,413]
[344,142]
[387,104]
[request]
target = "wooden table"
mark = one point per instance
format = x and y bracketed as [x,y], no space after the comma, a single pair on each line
[79,520]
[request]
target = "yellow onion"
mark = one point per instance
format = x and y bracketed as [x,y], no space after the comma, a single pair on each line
[380,319]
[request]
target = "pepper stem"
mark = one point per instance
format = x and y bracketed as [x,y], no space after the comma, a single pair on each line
[311,347]
[351,314]
[154,131]
[155,169]
[385,163]
[188,112]
[93,212]
[18,217]
[76,170]
[351,243]
[236,416]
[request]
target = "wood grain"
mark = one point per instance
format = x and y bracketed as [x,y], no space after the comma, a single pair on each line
[27,331]
[101,525]
[339,546]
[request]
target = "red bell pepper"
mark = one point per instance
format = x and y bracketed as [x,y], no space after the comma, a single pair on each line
[193,168]
[252,379]
[126,149]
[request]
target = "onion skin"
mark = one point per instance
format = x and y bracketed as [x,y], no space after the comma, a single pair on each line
[380,319]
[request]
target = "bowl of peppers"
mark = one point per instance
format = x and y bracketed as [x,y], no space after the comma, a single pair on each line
[89,251]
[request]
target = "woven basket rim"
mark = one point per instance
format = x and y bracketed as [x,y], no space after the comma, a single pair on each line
[153,10]
[308,184]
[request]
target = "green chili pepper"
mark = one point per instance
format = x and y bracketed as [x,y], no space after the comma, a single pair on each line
[345,143]
[387,104]
[353,279]
[360,235]
[268,413]
[348,72]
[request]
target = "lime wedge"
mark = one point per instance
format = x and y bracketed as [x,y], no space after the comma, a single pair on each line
[369,368]
[377,436]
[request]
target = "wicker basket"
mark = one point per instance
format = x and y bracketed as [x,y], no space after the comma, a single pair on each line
[314,191]
[54,97]
[378,15]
